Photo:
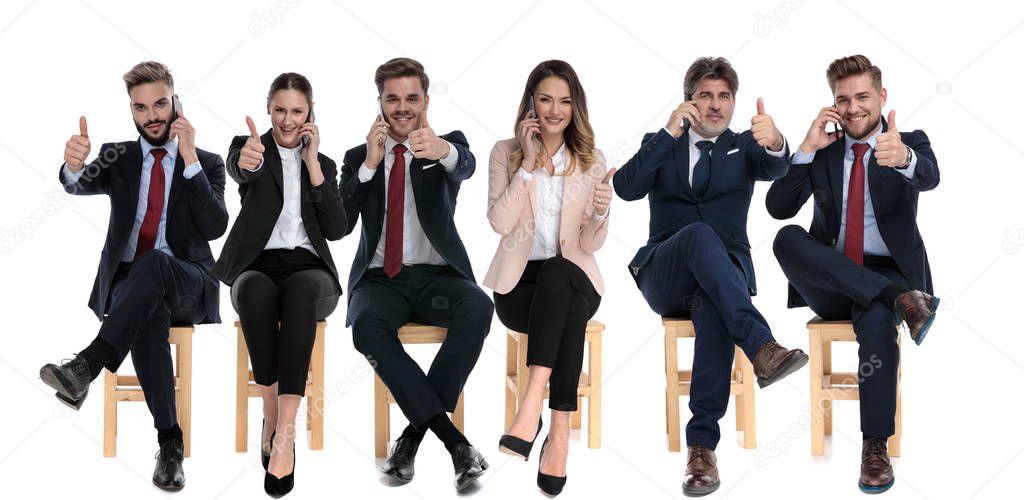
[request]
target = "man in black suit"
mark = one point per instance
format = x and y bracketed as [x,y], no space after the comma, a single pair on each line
[411,265]
[698,177]
[167,203]
[863,258]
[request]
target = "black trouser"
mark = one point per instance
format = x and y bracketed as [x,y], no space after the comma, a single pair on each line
[552,303]
[836,288]
[146,298]
[279,299]
[432,295]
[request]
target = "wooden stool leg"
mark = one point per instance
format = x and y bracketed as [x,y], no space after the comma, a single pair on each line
[749,413]
[672,389]
[594,401]
[184,393]
[576,420]
[737,378]
[459,417]
[381,418]
[511,362]
[315,411]
[894,440]
[826,405]
[109,414]
[523,373]
[817,396]
[242,395]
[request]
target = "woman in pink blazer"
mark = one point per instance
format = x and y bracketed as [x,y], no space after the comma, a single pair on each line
[548,199]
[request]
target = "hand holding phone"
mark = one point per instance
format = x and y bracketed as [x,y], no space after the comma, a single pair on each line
[682,117]
[306,135]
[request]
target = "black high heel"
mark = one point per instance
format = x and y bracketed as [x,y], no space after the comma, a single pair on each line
[551,485]
[265,457]
[519,447]
[279,487]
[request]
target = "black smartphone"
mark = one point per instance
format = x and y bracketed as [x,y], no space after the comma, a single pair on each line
[686,121]
[309,119]
[531,110]
[175,108]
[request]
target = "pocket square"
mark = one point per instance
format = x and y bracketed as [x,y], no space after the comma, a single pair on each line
[428,166]
[732,151]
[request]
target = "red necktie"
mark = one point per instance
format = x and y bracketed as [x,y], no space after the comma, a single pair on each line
[855,207]
[154,204]
[395,215]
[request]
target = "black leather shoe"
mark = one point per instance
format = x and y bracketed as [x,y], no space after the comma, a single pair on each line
[469,465]
[169,473]
[279,487]
[551,485]
[401,463]
[519,447]
[265,457]
[71,380]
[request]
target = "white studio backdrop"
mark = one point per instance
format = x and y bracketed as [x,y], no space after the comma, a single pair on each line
[951,69]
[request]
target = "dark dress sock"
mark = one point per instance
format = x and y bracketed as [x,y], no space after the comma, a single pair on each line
[446,431]
[98,354]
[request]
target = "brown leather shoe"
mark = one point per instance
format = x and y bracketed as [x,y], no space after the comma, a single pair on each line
[701,472]
[876,474]
[772,362]
[917,309]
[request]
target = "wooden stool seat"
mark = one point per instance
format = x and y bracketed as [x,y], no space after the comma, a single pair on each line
[409,333]
[245,388]
[517,379]
[117,388]
[828,386]
[677,383]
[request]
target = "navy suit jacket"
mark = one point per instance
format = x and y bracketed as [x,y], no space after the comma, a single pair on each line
[436,192]
[893,197]
[195,214]
[661,170]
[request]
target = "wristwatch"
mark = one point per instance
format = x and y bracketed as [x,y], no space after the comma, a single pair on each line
[910,156]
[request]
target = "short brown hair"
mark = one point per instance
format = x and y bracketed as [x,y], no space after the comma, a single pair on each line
[293,81]
[852,66]
[148,72]
[400,67]
[715,68]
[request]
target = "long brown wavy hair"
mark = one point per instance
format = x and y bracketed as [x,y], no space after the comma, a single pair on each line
[579,136]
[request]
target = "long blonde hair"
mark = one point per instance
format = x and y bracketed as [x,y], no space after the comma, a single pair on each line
[579,136]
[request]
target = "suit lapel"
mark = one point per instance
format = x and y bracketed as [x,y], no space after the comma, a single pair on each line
[834,162]
[722,146]
[681,156]
[272,160]
[177,183]
[133,172]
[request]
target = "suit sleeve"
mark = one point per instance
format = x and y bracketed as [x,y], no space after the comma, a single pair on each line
[505,199]
[94,178]
[926,172]
[593,232]
[764,166]
[466,165]
[240,175]
[205,193]
[634,180]
[353,192]
[330,212]
[789,193]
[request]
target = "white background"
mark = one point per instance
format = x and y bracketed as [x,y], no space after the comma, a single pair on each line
[951,70]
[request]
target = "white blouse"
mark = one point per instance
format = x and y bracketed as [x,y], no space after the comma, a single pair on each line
[289,232]
[547,209]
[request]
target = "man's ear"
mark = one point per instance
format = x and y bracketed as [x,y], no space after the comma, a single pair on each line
[883,96]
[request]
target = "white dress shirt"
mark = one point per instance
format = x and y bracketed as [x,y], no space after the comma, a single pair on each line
[547,208]
[873,243]
[416,247]
[694,138]
[289,232]
[140,211]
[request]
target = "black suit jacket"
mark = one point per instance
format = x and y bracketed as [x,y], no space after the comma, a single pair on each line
[661,170]
[436,192]
[893,197]
[323,215]
[195,214]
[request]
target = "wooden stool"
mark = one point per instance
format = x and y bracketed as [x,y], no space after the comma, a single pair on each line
[677,383]
[117,388]
[245,388]
[410,333]
[517,379]
[827,386]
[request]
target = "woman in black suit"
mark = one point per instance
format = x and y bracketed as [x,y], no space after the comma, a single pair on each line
[283,279]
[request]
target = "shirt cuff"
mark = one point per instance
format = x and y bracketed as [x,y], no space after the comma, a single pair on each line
[670,133]
[71,178]
[801,158]
[449,163]
[909,171]
[524,174]
[192,169]
[257,169]
[366,173]
[779,153]
[601,217]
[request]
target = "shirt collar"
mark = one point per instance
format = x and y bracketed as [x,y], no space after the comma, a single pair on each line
[171,147]
[695,138]
[870,141]
[390,143]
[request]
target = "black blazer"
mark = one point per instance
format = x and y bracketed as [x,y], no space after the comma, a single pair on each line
[661,171]
[323,215]
[435,191]
[893,196]
[195,214]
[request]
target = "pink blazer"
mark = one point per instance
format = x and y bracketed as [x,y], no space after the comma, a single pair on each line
[510,211]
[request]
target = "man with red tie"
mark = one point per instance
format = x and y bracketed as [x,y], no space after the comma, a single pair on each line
[411,265]
[863,258]
[166,204]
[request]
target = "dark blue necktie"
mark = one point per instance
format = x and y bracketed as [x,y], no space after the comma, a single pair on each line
[702,170]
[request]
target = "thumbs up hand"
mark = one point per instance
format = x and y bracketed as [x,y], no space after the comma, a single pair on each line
[889,148]
[76,150]
[765,132]
[603,193]
[425,143]
[251,156]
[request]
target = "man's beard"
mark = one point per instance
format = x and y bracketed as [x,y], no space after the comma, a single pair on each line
[156,141]
[867,130]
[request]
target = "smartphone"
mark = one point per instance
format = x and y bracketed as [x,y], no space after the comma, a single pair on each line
[383,118]
[838,128]
[309,119]
[686,121]
[175,108]
[531,111]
